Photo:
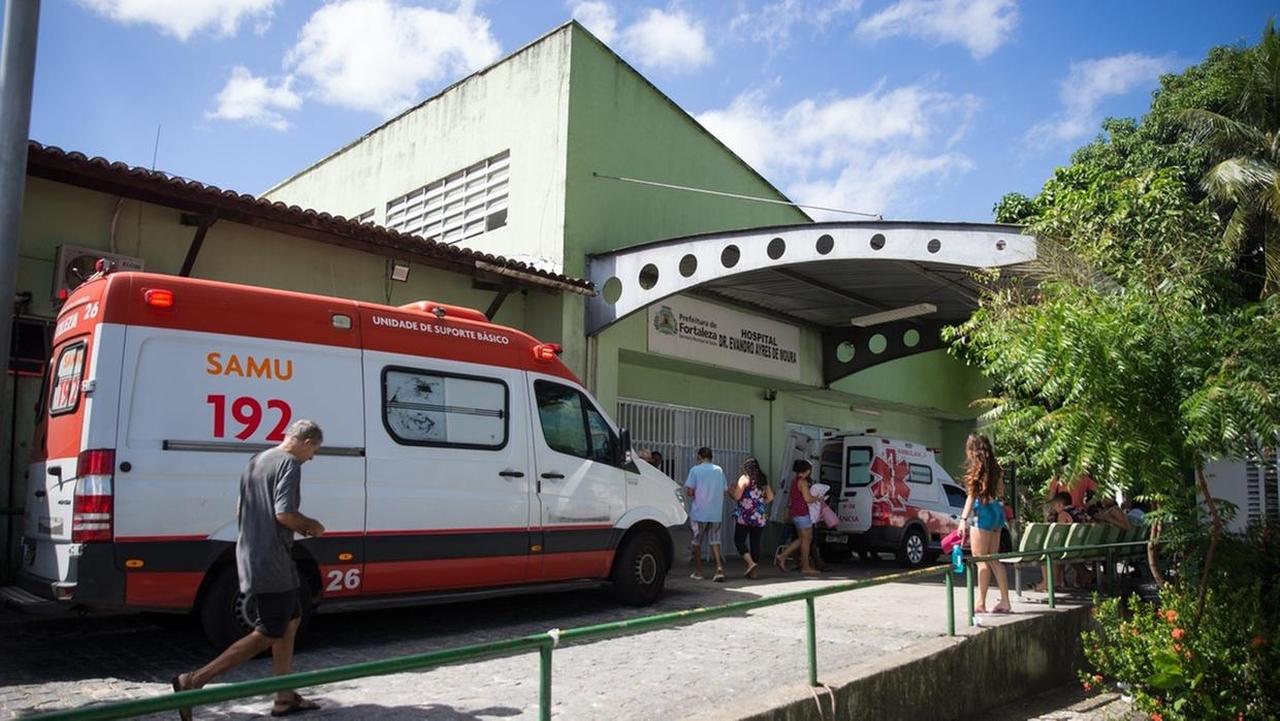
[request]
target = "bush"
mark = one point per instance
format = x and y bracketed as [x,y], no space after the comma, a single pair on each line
[1225,667]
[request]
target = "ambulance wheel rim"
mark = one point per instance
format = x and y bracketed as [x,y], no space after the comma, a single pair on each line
[646,568]
[242,612]
[915,548]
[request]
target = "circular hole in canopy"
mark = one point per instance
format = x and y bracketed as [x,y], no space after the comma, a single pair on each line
[825,244]
[844,352]
[688,265]
[730,255]
[648,276]
[877,241]
[935,245]
[911,338]
[776,248]
[1000,244]
[612,290]
[878,343]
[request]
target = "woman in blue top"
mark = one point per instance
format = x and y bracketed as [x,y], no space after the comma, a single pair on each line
[985,482]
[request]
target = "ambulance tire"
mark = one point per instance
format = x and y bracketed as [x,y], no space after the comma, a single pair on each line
[913,549]
[640,569]
[223,614]
[832,553]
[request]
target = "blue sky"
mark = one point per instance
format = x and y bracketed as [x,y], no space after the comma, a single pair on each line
[922,109]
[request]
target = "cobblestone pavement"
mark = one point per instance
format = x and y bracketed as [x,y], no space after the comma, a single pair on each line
[675,672]
[1068,703]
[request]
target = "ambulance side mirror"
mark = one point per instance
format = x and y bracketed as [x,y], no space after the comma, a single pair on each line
[624,447]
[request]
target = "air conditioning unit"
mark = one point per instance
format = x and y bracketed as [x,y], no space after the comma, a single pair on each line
[75,265]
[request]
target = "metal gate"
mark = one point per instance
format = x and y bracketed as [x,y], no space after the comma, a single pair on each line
[677,432]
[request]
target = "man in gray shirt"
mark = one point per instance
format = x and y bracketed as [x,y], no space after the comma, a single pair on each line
[270,496]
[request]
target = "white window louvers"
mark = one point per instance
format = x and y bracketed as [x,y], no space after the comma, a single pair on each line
[459,206]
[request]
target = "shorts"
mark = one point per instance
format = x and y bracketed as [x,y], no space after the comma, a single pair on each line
[274,612]
[990,516]
[708,531]
[802,522]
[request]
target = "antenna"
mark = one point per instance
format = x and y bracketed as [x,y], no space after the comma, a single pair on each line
[155,152]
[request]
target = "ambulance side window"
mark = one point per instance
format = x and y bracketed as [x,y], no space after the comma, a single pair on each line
[920,474]
[956,497]
[571,425]
[428,408]
[859,467]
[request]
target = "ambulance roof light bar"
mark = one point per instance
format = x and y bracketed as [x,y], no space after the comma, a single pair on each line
[547,352]
[887,316]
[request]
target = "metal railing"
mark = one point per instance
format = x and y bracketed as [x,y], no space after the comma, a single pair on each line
[545,643]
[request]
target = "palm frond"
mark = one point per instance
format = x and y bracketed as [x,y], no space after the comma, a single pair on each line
[1223,132]
[1239,179]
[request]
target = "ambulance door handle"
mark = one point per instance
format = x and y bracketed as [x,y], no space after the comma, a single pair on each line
[511,474]
[553,476]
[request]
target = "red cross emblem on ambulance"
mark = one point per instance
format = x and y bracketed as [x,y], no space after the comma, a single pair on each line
[889,480]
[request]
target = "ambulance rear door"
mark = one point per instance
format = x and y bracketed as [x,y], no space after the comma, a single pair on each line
[799,446]
[74,418]
[856,455]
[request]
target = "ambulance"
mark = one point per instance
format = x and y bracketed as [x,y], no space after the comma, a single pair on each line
[889,495]
[461,458]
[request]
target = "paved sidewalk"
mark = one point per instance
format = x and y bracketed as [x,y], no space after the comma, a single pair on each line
[679,672]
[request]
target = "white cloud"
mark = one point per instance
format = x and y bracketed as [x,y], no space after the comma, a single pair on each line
[183,18]
[864,152]
[378,55]
[256,101]
[667,40]
[774,22]
[1091,82]
[980,25]
[598,17]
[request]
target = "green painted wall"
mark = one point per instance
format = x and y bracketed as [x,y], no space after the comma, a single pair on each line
[620,124]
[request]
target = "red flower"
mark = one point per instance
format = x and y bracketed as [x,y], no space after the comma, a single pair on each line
[1086,686]
[1178,633]
[1157,717]
[1258,642]
[1170,615]
[1097,678]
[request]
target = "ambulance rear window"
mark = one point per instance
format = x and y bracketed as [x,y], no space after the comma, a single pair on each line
[65,395]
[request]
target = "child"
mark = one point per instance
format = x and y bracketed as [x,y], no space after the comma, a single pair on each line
[705,487]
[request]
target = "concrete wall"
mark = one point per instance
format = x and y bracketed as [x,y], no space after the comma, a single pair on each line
[56,214]
[519,105]
[949,678]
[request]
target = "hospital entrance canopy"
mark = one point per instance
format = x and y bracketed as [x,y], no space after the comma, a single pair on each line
[877,291]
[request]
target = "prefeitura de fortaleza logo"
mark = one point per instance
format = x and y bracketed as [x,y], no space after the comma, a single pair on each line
[664,321]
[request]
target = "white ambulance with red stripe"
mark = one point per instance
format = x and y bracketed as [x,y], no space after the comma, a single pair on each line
[460,456]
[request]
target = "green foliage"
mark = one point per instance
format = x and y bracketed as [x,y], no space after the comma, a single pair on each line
[1226,667]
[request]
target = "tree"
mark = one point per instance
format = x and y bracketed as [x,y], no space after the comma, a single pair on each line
[1245,146]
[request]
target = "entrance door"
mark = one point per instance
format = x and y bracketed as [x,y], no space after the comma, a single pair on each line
[449,475]
[678,431]
[580,485]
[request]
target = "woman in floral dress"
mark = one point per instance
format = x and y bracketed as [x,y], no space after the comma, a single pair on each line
[752,494]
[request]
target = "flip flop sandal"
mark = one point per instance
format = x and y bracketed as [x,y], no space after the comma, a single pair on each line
[750,573]
[1002,609]
[184,713]
[297,705]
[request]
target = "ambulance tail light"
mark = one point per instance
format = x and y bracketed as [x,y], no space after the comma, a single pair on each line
[93,506]
[546,352]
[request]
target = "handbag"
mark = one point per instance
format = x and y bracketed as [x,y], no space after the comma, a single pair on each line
[951,540]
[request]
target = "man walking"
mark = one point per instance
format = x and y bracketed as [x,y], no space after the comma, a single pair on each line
[706,486]
[270,496]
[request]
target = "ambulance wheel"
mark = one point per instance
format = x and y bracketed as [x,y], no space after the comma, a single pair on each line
[913,549]
[834,554]
[640,569]
[227,615]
